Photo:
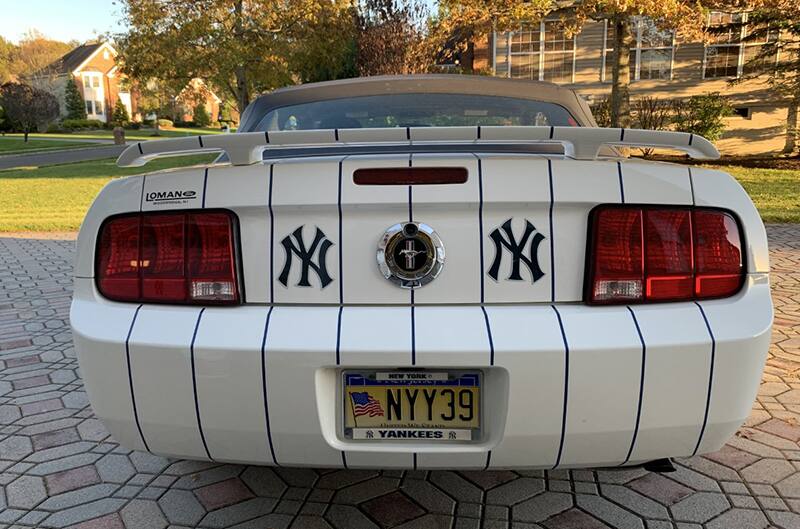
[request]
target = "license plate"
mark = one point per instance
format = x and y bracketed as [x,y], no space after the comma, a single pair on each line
[412,405]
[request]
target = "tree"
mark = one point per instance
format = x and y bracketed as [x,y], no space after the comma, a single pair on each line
[685,17]
[6,56]
[391,38]
[200,115]
[242,47]
[775,24]
[459,23]
[34,52]
[27,106]
[120,115]
[76,108]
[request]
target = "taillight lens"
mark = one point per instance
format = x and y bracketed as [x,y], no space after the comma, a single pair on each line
[652,254]
[177,257]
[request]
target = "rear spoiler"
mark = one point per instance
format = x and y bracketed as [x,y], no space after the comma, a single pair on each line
[580,143]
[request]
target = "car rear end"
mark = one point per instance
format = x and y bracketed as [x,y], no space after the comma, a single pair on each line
[588,312]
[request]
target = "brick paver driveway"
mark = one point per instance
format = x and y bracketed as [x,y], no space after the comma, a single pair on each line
[59,467]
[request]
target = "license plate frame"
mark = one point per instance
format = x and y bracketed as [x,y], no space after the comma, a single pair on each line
[377,382]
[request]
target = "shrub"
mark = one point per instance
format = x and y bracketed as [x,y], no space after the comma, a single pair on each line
[200,116]
[165,123]
[184,124]
[132,125]
[78,124]
[602,112]
[703,115]
[120,116]
[148,122]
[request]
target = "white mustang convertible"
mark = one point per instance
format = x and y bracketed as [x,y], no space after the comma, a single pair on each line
[423,272]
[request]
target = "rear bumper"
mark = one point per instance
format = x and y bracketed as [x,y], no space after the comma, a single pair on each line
[569,385]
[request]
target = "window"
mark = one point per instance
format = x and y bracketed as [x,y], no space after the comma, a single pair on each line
[651,52]
[89,108]
[87,81]
[415,110]
[542,51]
[98,107]
[731,52]
[95,81]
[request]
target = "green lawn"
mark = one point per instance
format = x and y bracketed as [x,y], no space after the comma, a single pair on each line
[16,145]
[775,192]
[134,135]
[56,197]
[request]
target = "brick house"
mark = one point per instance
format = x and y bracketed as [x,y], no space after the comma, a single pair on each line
[660,67]
[93,66]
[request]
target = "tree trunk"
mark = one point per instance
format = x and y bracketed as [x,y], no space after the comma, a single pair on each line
[621,73]
[242,93]
[792,144]
[25,132]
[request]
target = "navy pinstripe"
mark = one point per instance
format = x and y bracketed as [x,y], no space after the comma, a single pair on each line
[621,183]
[130,377]
[205,186]
[566,387]
[264,384]
[552,235]
[194,384]
[710,378]
[641,387]
[271,239]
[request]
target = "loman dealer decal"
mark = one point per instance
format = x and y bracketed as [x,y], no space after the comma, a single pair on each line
[170,197]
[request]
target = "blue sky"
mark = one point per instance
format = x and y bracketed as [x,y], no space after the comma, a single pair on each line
[63,20]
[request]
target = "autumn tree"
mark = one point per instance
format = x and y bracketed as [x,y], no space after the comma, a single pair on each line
[392,38]
[459,23]
[76,108]
[34,52]
[6,55]
[28,107]
[775,26]
[241,47]
[685,17]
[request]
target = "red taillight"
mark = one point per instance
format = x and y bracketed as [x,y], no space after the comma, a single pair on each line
[173,257]
[653,254]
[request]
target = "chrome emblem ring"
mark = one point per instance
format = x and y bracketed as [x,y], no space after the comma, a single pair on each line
[410,254]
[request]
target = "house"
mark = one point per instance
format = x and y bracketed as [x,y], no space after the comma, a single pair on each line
[94,68]
[661,67]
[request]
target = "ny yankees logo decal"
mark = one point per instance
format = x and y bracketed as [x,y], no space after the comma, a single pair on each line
[294,245]
[503,238]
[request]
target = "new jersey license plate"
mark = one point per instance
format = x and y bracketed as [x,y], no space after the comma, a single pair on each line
[412,405]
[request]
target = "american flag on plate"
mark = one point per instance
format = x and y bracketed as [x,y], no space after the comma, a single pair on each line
[365,404]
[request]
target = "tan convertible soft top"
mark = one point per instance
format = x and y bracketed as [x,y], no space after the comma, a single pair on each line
[417,84]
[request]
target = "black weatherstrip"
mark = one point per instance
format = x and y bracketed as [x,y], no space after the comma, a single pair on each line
[271,239]
[710,378]
[691,138]
[566,387]
[205,186]
[194,384]
[622,134]
[130,377]
[200,140]
[621,182]
[139,145]
[264,384]
[552,236]
[641,387]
